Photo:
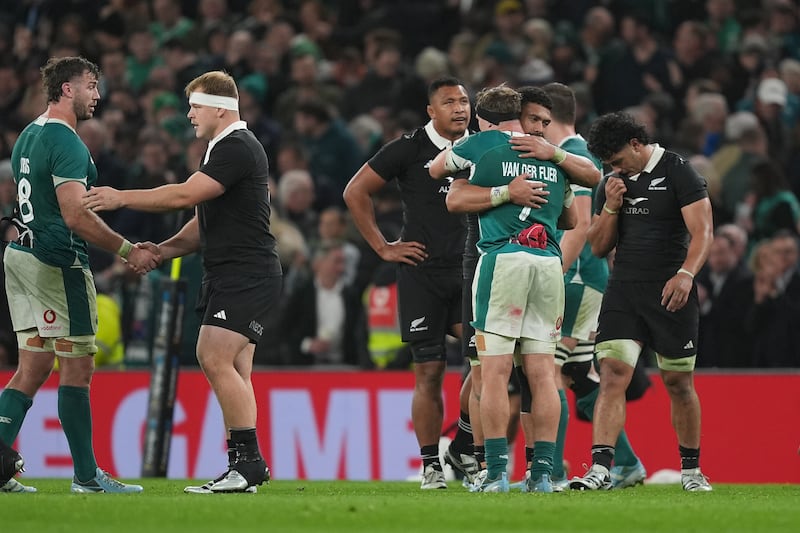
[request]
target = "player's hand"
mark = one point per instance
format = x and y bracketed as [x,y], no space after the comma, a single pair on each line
[144,257]
[102,199]
[527,193]
[410,253]
[675,293]
[533,146]
[614,189]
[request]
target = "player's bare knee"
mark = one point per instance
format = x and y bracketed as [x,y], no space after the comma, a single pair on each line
[76,371]
[679,385]
[429,367]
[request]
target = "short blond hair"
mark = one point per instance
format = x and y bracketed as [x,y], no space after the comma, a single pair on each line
[215,82]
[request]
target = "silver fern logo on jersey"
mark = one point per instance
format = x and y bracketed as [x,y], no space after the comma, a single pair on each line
[655,184]
[416,325]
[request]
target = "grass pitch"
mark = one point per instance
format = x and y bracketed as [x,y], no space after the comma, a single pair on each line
[402,507]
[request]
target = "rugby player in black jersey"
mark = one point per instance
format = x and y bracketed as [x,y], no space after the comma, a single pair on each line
[654,209]
[428,253]
[242,273]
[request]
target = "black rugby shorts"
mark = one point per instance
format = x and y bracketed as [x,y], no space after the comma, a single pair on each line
[633,310]
[239,303]
[429,301]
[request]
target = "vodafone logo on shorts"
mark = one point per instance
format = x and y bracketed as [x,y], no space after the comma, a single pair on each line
[49,316]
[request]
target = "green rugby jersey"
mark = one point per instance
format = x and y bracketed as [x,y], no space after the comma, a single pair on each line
[47,154]
[494,163]
[588,269]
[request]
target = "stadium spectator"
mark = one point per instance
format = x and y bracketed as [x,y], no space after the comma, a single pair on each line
[388,87]
[722,22]
[639,67]
[333,228]
[774,320]
[306,84]
[142,58]
[710,111]
[735,182]
[169,22]
[333,154]
[296,192]
[771,205]
[323,320]
[724,289]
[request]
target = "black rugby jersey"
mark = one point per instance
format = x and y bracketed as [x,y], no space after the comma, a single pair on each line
[425,216]
[652,238]
[234,227]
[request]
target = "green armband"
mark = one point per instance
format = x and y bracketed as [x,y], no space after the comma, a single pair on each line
[499,195]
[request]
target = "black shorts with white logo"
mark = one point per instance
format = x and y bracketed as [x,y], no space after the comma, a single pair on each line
[429,301]
[239,303]
[633,310]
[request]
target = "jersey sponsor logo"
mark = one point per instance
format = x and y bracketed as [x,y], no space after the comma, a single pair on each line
[5,420]
[444,189]
[416,325]
[221,315]
[634,201]
[655,184]
[633,210]
[49,316]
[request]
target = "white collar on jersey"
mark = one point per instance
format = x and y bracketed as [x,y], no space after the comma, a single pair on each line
[238,125]
[440,142]
[44,119]
[655,157]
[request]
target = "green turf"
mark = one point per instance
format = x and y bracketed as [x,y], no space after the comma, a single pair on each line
[372,506]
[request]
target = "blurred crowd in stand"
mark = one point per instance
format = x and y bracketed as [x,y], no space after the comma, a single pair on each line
[324,84]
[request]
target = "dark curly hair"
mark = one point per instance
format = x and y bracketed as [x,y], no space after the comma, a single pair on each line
[535,95]
[611,132]
[59,71]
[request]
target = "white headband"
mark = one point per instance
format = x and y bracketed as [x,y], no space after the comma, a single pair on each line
[212,100]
